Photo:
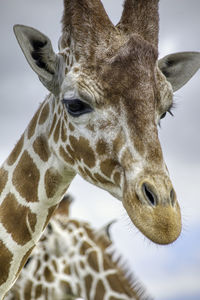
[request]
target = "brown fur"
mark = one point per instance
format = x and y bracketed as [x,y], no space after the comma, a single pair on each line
[83,150]
[44,114]
[3,179]
[57,132]
[65,156]
[16,151]
[41,147]
[33,123]
[16,225]
[52,181]
[26,172]
[5,262]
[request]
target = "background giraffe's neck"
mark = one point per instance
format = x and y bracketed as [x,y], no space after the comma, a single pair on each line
[72,259]
[32,182]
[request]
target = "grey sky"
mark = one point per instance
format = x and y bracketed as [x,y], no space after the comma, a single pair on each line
[163,270]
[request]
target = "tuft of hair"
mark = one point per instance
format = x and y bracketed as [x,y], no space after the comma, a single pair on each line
[127,277]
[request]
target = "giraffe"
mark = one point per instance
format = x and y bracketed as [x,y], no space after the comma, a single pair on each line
[72,260]
[108,92]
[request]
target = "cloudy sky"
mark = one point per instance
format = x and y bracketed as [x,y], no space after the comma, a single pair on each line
[169,273]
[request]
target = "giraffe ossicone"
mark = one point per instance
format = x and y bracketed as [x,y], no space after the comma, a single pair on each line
[72,261]
[108,92]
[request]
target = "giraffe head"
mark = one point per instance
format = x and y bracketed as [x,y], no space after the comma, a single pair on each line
[109,93]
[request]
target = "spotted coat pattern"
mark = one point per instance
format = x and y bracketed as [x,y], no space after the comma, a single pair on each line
[72,260]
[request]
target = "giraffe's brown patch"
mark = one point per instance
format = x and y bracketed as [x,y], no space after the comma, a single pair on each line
[93,260]
[90,127]
[38,291]
[46,293]
[84,247]
[28,290]
[88,284]
[74,241]
[3,179]
[53,124]
[33,123]
[106,264]
[41,147]
[83,150]
[75,223]
[16,295]
[66,70]
[50,213]
[38,277]
[44,114]
[82,172]
[89,232]
[59,110]
[107,166]
[71,152]
[78,288]
[76,70]
[77,56]
[118,142]
[52,180]
[24,260]
[16,151]
[67,270]
[63,132]
[68,42]
[115,283]
[127,158]
[89,174]
[5,262]
[48,275]
[65,156]
[117,177]
[26,178]
[16,222]
[46,257]
[100,291]
[71,127]
[57,132]
[65,286]
[82,265]
[101,147]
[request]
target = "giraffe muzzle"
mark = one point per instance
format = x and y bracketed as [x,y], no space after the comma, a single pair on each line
[154,210]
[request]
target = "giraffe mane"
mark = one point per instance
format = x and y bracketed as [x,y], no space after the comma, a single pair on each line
[129,279]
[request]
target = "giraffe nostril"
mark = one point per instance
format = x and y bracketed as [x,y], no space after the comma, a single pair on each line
[149,194]
[172,197]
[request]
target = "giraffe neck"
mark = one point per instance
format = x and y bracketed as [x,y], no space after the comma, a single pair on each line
[32,182]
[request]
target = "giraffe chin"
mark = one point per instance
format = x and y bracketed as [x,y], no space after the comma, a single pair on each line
[160,224]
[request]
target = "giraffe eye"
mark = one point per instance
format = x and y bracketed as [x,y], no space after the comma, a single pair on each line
[76,107]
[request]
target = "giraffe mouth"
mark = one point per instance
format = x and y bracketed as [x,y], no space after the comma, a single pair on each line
[160,224]
[153,208]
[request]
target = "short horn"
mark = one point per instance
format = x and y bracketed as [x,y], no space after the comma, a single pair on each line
[141,17]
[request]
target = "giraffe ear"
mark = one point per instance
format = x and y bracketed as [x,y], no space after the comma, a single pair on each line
[179,67]
[39,53]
